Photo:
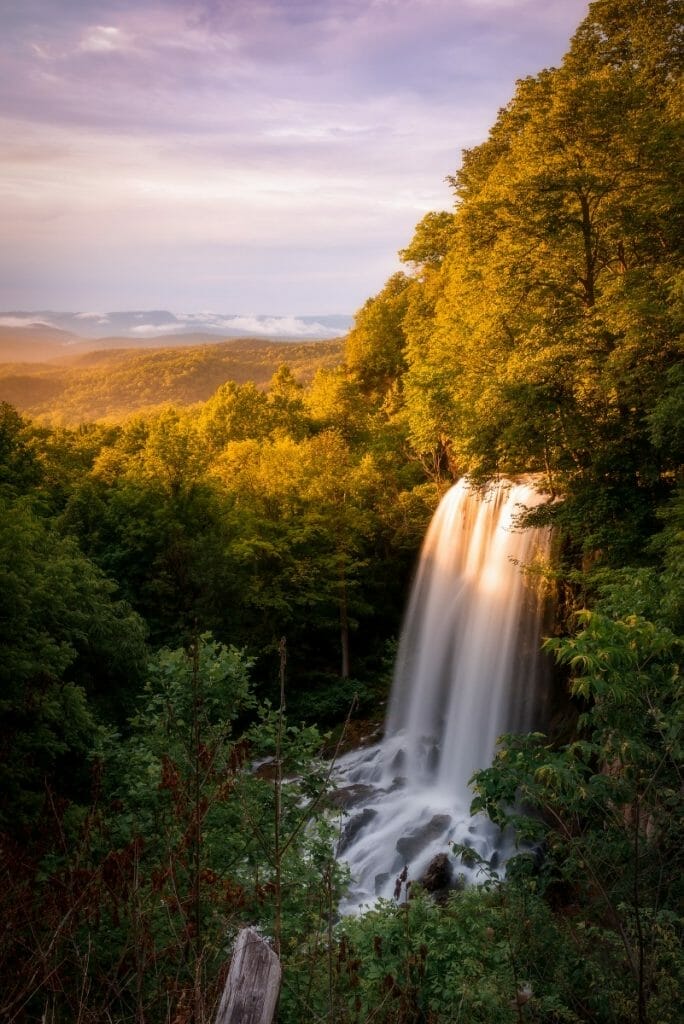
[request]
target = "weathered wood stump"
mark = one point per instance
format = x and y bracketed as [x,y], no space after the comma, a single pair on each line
[253,982]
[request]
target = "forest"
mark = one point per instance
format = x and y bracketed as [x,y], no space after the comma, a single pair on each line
[200,602]
[109,384]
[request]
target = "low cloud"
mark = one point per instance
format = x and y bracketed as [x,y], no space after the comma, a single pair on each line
[266,326]
[23,321]
[150,330]
[283,326]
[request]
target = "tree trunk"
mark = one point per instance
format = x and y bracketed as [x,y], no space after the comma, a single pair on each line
[589,256]
[344,628]
[253,982]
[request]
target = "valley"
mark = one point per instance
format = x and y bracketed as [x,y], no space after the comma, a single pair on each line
[110,384]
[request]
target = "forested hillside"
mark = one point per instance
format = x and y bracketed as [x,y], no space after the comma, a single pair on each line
[197,590]
[110,384]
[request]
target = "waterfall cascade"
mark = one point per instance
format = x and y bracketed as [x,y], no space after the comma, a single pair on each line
[468,669]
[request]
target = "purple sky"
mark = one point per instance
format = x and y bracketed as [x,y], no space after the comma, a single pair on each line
[263,156]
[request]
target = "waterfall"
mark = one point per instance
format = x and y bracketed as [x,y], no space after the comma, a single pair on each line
[468,669]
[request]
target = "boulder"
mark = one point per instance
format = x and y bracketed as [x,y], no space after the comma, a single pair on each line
[412,844]
[349,796]
[438,874]
[439,879]
[381,881]
[353,827]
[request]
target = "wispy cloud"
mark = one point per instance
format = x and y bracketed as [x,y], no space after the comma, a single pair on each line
[23,321]
[162,144]
[100,318]
[279,326]
[150,330]
[105,39]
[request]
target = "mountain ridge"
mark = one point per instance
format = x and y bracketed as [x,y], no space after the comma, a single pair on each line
[143,324]
[111,384]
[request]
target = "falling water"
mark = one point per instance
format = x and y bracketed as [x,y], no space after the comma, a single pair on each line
[468,670]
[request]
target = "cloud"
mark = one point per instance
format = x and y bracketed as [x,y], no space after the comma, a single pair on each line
[282,326]
[148,330]
[104,39]
[238,137]
[101,318]
[266,326]
[23,321]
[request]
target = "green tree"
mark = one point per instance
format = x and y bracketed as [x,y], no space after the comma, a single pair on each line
[432,239]
[19,468]
[608,805]
[72,651]
[174,454]
[334,401]
[234,413]
[554,320]
[374,348]
[184,843]
[287,414]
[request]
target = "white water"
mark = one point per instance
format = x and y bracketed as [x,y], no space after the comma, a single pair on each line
[467,671]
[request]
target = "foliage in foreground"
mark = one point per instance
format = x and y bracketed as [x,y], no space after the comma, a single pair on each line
[586,926]
[132,916]
[607,808]
[184,842]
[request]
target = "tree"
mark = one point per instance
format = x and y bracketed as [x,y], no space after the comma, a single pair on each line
[236,412]
[285,397]
[19,468]
[174,453]
[134,918]
[608,804]
[374,348]
[554,308]
[72,651]
[335,401]
[305,517]
[432,240]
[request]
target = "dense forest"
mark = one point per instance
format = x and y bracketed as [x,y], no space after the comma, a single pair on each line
[200,589]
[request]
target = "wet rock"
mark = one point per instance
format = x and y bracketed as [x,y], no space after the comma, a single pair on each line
[349,796]
[381,881]
[438,874]
[439,878]
[410,845]
[432,760]
[353,827]
[398,762]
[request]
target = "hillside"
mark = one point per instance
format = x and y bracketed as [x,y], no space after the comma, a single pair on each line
[109,385]
[34,343]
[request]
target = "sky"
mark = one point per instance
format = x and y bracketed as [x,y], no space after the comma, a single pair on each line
[247,156]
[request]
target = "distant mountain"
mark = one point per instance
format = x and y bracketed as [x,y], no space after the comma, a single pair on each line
[152,324]
[110,384]
[105,365]
[33,342]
